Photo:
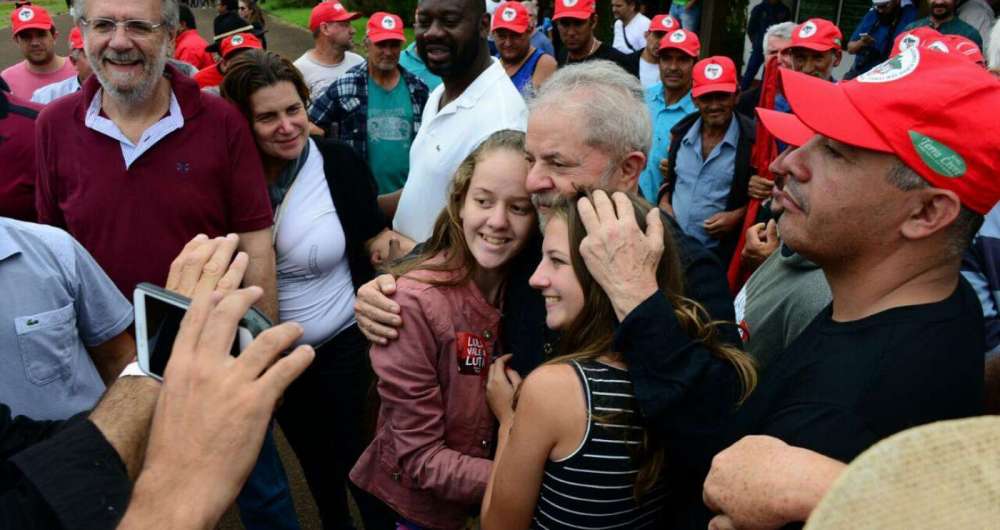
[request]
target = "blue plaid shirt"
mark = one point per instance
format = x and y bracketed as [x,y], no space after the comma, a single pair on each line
[342,110]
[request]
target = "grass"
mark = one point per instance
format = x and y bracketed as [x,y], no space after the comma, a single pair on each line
[299,16]
[54,7]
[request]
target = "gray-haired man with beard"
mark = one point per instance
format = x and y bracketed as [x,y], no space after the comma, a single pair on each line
[139,161]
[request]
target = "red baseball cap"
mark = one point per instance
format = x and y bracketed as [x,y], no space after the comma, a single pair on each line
[683,40]
[958,45]
[30,17]
[240,41]
[329,11]
[664,23]
[913,38]
[384,26]
[75,39]
[579,9]
[913,107]
[714,74]
[817,34]
[512,16]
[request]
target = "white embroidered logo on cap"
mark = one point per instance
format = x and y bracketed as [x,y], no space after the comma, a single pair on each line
[388,23]
[894,69]
[570,3]
[713,71]
[667,22]
[25,15]
[236,40]
[338,7]
[808,30]
[508,14]
[678,36]
[909,41]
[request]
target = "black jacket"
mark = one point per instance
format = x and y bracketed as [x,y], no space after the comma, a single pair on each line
[739,192]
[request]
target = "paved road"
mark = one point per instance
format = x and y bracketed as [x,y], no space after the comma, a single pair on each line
[291,42]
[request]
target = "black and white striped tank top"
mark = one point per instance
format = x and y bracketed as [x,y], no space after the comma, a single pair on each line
[593,487]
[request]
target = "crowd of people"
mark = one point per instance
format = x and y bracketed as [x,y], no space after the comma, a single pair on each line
[519,277]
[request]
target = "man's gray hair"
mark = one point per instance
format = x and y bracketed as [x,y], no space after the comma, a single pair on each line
[962,230]
[608,103]
[171,13]
[782,31]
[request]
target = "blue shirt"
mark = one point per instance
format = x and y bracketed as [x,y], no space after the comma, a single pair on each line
[883,34]
[57,303]
[410,60]
[664,118]
[703,185]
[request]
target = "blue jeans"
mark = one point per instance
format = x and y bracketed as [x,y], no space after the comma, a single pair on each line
[690,18]
[266,501]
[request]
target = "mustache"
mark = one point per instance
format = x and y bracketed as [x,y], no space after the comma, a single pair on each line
[122,57]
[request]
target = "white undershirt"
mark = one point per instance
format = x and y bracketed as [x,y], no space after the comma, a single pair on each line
[314,279]
[649,73]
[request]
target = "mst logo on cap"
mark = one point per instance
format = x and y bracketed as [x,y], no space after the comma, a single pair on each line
[508,14]
[678,36]
[570,3]
[236,40]
[894,69]
[667,22]
[909,41]
[388,23]
[808,30]
[337,6]
[25,14]
[713,71]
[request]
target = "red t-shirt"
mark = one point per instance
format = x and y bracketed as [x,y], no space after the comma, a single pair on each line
[190,48]
[209,77]
[203,178]
[17,154]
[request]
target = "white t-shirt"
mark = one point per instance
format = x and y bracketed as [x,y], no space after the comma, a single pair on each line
[47,93]
[635,32]
[318,76]
[314,279]
[649,73]
[446,137]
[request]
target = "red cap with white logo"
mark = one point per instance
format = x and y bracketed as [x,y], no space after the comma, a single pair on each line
[240,41]
[75,39]
[579,9]
[384,26]
[329,11]
[663,23]
[683,40]
[911,106]
[30,17]
[817,34]
[512,16]
[913,38]
[714,74]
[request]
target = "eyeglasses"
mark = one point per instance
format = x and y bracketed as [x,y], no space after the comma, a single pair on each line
[133,28]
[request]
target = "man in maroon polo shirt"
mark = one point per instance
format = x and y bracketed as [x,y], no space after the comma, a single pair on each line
[140,161]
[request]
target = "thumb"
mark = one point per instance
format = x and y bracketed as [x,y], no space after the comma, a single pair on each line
[772,230]
[386,284]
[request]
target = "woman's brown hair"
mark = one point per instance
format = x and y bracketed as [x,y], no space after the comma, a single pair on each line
[590,334]
[253,70]
[448,238]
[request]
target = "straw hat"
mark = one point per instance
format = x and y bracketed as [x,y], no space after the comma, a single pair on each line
[941,475]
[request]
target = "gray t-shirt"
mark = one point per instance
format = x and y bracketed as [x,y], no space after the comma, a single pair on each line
[57,302]
[779,300]
[319,76]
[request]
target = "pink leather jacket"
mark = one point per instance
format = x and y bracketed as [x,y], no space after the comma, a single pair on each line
[429,460]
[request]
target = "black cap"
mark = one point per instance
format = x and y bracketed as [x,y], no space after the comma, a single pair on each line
[230,24]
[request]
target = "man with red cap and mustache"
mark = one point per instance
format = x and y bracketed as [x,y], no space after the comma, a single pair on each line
[893,177]
[35,33]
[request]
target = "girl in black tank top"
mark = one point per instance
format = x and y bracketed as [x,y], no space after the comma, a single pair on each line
[575,454]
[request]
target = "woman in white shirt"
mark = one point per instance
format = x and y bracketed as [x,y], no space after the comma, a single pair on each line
[327,224]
